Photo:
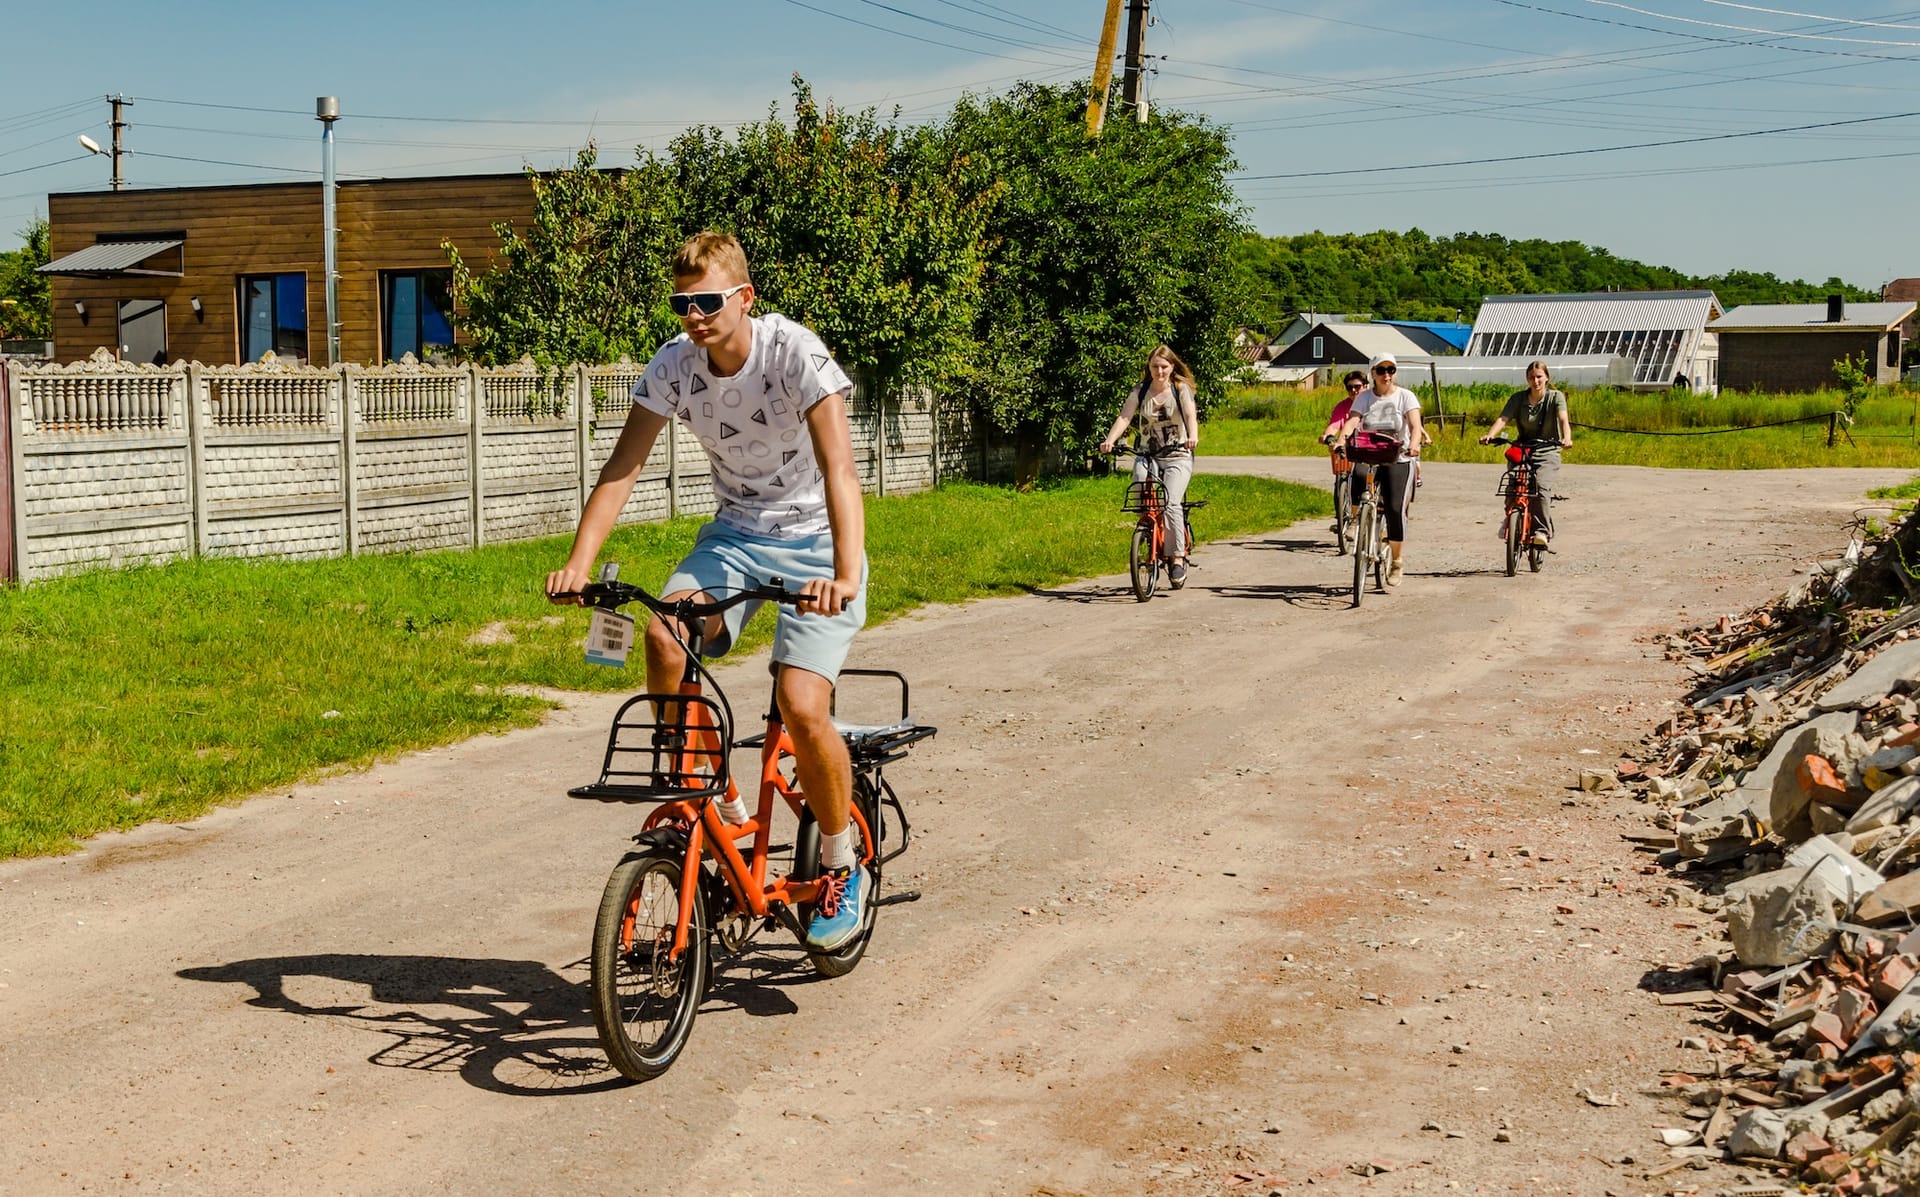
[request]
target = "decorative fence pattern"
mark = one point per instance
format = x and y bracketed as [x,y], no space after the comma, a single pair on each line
[109,463]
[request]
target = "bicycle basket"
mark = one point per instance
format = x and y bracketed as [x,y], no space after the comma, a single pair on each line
[1371,448]
[1515,476]
[1148,494]
[649,759]
[1342,464]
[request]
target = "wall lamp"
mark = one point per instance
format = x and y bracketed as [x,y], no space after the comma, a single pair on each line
[80,306]
[199,313]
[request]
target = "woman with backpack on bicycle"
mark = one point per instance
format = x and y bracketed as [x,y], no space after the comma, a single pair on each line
[1538,413]
[1169,433]
[1386,414]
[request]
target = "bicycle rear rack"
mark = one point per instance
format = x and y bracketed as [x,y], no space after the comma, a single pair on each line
[649,760]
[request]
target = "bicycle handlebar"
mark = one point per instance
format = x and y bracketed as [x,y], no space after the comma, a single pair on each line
[616,594]
[1543,443]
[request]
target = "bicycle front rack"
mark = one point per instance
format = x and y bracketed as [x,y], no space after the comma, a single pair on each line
[649,759]
[1148,494]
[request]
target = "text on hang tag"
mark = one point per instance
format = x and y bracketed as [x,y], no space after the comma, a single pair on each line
[609,638]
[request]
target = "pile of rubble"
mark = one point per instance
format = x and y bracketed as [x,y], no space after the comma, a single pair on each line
[1788,789]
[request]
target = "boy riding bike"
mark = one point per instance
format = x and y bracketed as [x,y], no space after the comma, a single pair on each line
[768,403]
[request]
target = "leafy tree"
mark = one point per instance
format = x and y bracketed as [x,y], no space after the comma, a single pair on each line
[26,296]
[870,234]
[1412,276]
[586,279]
[1100,251]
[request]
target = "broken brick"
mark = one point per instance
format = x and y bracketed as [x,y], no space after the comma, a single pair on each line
[1819,782]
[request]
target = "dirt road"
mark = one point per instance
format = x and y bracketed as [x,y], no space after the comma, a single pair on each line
[1228,892]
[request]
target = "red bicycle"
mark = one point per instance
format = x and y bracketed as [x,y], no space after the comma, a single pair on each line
[1517,485]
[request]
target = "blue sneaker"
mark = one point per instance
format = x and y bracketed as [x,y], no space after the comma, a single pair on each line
[841,910]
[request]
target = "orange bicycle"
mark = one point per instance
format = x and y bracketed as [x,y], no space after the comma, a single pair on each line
[687,879]
[1517,486]
[1147,498]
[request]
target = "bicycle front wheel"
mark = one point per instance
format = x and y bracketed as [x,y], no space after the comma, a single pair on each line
[1362,547]
[1342,513]
[644,1000]
[1516,529]
[1141,563]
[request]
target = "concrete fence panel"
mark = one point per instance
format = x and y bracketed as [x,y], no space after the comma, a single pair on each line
[110,463]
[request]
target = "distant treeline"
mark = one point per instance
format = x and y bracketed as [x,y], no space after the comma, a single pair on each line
[1412,276]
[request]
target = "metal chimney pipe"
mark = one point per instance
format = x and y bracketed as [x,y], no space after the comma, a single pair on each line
[1836,308]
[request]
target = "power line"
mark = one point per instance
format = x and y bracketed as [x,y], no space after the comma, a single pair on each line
[1723,41]
[21,170]
[1609,149]
[1812,37]
[1782,12]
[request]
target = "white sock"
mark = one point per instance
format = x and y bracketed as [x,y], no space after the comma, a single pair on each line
[733,810]
[836,851]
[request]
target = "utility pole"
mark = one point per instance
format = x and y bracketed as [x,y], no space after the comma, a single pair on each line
[326,110]
[1103,70]
[1133,83]
[118,102]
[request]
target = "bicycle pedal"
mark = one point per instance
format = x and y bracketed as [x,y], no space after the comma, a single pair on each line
[905,895]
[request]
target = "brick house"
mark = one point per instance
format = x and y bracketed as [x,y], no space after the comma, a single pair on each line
[1793,346]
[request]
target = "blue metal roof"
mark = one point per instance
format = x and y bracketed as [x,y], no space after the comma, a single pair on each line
[1456,335]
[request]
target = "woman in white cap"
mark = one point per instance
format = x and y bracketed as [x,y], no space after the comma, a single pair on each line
[1390,410]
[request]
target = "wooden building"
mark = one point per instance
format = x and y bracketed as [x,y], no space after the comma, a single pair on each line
[223,274]
[1335,343]
[1793,346]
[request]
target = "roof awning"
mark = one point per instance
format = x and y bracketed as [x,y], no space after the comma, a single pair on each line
[111,258]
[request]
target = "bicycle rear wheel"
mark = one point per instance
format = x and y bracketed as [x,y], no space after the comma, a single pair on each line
[1342,513]
[1516,529]
[644,1001]
[1142,564]
[1536,556]
[1362,545]
[806,851]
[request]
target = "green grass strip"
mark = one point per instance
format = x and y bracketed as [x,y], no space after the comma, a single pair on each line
[1883,434]
[129,696]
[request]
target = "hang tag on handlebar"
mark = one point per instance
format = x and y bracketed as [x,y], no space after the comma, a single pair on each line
[609,638]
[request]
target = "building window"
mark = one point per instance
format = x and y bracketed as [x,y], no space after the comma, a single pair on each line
[273,316]
[143,331]
[1319,347]
[416,312]
[1893,349]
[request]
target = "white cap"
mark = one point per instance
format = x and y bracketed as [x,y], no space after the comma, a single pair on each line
[1382,359]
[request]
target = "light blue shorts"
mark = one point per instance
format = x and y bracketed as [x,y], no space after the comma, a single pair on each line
[725,559]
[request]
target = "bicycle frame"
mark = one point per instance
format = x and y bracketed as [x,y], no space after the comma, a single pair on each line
[708,834]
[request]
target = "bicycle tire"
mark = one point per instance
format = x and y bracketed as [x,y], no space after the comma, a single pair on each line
[644,1003]
[1516,528]
[1141,564]
[1536,557]
[1362,526]
[1342,514]
[806,851]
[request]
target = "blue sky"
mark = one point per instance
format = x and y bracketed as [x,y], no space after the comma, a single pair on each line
[1797,118]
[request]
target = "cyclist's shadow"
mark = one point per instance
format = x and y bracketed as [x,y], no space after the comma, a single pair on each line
[508,1026]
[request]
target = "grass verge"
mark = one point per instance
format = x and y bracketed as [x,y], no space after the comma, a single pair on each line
[1883,433]
[130,696]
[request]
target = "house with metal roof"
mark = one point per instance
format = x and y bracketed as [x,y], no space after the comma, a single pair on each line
[1438,336]
[1793,346]
[1333,343]
[1664,335]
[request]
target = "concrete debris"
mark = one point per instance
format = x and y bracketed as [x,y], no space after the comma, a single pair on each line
[1789,785]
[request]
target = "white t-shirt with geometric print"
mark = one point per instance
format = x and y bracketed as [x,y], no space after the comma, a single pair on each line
[753,423]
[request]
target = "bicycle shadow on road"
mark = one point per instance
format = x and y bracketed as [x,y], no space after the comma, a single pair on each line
[1085,594]
[506,1026]
[1320,544]
[1317,597]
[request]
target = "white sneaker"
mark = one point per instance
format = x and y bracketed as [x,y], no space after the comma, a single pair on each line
[1540,539]
[1394,573]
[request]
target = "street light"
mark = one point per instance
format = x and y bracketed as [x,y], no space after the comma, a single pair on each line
[90,145]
